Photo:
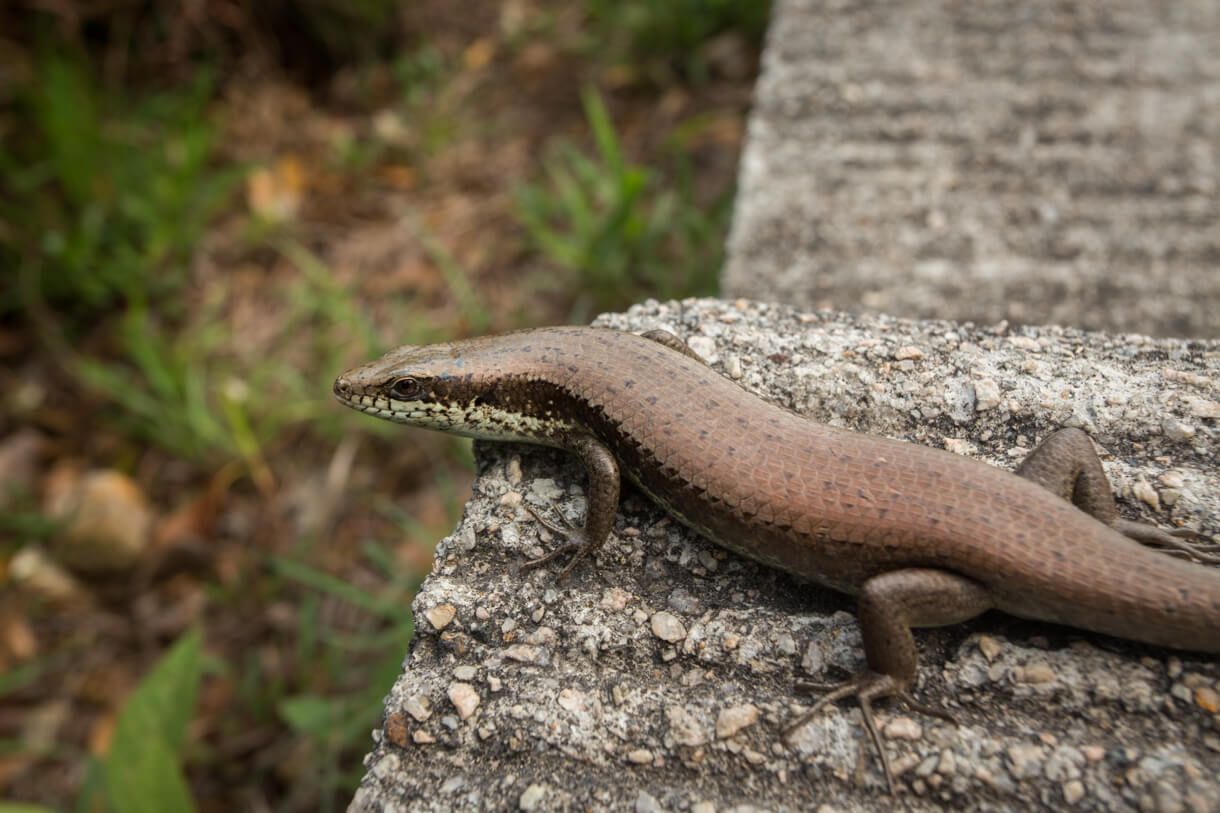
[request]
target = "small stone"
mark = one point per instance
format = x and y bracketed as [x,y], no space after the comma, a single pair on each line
[465,672]
[512,471]
[1201,407]
[107,520]
[531,797]
[754,757]
[510,499]
[440,616]
[705,347]
[732,720]
[422,737]
[959,446]
[990,647]
[1093,753]
[908,351]
[1175,430]
[948,763]
[396,729]
[1025,761]
[1146,493]
[903,728]
[494,683]
[38,576]
[986,394]
[683,727]
[417,706]
[1172,479]
[703,807]
[572,699]
[615,599]
[522,653]
[640,756]
[1073,791]
[928,766]
[1207,699]
[667,627]
[683,601]
[464,698]
[644,803]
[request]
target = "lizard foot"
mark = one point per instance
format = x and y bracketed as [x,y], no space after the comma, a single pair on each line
[866,687]
[1179,541]
[564,530]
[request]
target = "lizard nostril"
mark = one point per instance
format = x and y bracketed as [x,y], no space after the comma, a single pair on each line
[343,386]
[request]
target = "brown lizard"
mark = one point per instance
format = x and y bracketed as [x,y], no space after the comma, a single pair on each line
[920,536]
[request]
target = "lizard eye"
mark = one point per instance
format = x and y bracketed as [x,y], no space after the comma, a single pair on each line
[405,388]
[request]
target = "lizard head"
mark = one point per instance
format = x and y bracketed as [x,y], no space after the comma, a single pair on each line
[463,388]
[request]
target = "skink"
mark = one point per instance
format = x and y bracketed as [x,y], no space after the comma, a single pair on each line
[920,536]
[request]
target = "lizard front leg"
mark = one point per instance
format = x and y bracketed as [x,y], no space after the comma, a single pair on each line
[889,606]
[1065,463]
[604,485]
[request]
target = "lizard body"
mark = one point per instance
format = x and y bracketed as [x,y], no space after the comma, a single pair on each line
[921,536]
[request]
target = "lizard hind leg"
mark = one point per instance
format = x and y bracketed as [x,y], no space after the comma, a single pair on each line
[890,604]
[1065,463]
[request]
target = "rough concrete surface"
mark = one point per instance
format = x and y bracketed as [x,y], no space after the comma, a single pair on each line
[660,676]
[1041,161]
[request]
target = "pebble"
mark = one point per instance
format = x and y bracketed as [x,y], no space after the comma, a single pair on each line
[532,797]
[986,394]
[572,699]
[683,727]
[903,728]
[908,351]
[683,601]
[990,647]
[465,672]
[1073,791]
[39,576]
[644,803]
[524,653]
[1025,761]
[705,347]
[1146,493]
[640,756]
[1207,699]
[667,627]
[417,706]
[440,616]
[464,698]
[107,519]
[614,599]
[733,719]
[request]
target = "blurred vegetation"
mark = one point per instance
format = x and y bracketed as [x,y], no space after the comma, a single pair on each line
[615,231]
[115,172]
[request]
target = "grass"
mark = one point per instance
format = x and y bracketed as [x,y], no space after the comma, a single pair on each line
[613,230]
[671,33]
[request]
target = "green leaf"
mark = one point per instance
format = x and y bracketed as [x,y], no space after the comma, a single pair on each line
[312,715]
[142,768]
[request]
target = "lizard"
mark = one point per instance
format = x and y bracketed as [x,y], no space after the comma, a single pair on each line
[919,536]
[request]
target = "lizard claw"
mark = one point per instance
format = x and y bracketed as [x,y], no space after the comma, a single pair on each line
[866,687]
[566,530]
